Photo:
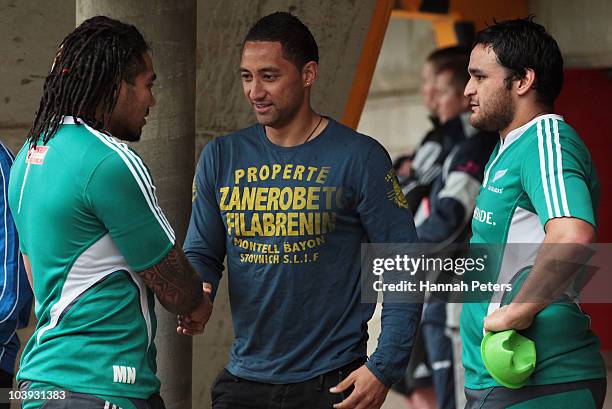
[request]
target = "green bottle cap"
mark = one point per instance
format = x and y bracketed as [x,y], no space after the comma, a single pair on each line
[509,357]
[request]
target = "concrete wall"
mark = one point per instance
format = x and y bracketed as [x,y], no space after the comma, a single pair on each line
[582,29]
[30,32]
[394,113]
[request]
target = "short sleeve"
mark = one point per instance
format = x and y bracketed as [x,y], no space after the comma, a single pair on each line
[557,174]
[121,194]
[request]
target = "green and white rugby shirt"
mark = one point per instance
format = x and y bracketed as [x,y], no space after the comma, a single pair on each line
[541,171]
[88,219]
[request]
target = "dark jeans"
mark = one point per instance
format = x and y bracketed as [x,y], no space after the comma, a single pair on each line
[232,392]
[6,382]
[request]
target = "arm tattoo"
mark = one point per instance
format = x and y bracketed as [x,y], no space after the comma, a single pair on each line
[175,282]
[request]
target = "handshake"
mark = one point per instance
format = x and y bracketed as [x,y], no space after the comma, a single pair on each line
[193,323]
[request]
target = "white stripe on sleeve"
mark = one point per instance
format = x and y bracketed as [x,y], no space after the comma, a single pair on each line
[551,169]
[562,193]
[543,169]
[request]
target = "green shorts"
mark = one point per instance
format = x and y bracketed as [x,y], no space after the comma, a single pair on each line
[589,394]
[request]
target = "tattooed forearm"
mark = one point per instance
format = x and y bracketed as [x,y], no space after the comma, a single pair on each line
[175,282]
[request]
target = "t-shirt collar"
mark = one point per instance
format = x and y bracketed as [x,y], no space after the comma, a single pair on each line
[70,120]
[514,134]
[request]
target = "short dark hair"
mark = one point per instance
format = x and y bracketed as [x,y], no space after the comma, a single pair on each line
[521,44]
[448,55]
[86,75]
[459,73]
[297,42]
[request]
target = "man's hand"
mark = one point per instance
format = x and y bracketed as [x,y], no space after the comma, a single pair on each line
[194,323]
[369,392]
[516,316]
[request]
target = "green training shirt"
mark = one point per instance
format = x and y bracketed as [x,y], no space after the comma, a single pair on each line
[541,171]
[88,219]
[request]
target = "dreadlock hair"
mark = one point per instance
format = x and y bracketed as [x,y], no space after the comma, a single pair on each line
[86,75]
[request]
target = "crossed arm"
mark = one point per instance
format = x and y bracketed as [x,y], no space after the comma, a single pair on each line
[548,277]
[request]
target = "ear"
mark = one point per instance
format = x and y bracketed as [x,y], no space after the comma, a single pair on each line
[526,83]
[309,73]
[122,90]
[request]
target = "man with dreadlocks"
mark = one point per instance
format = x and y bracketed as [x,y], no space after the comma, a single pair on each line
[92,233]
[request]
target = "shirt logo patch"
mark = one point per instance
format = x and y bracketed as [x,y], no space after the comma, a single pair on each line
[499,174]
[37,156]
[498,190]
[396,195]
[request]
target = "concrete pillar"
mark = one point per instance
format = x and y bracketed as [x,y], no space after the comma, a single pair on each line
[167,147]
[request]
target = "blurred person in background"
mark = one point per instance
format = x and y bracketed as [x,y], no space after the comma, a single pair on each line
[416,178]
[427,162]
[442,219]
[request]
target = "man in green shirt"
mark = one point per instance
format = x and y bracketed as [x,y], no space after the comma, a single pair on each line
[95,242]
[539,187]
